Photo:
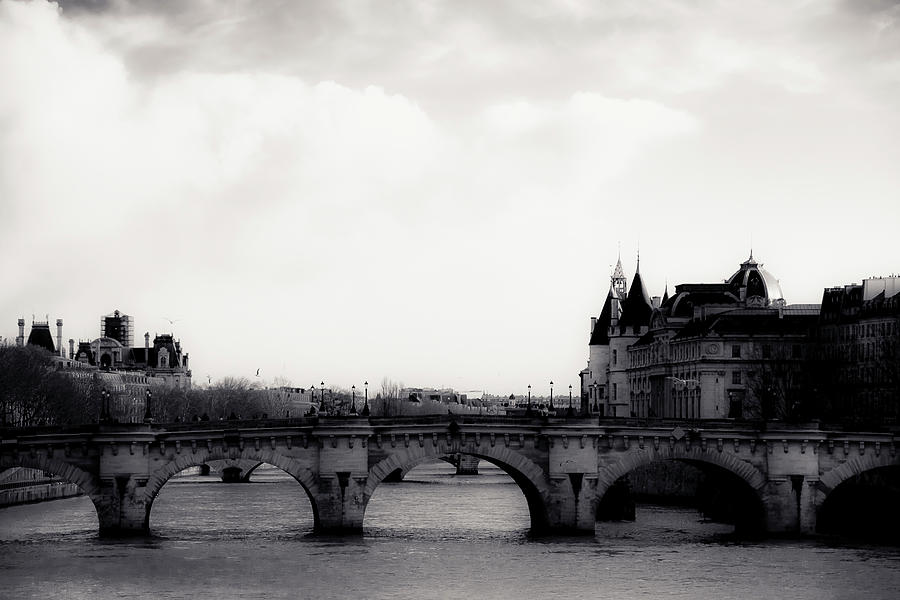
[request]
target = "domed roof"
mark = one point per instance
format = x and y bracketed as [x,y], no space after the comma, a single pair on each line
[755,281]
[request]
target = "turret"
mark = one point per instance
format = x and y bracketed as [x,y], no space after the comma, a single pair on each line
[59,343]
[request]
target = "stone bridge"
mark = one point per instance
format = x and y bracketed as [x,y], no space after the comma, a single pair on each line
[564,467]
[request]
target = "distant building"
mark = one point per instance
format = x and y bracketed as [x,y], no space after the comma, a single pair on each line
[445,395]
[711,350]
[859,351]
[295,402]
[111,364]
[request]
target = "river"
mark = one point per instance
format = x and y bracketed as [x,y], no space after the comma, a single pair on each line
[435,535]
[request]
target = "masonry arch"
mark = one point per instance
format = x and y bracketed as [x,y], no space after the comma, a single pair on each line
[68,472]
[529,477]
[738,480]
[859,498]
[292,467]
[854,467]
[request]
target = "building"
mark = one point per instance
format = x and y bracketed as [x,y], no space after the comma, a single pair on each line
[733,349]
[445,395]
[624,318]
[293,401]
[858,351]
[111,367]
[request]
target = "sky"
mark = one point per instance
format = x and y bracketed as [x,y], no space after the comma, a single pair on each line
[431,191]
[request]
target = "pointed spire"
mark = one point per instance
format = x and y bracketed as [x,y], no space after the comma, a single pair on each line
[618,281]
[665,297]
[638,268]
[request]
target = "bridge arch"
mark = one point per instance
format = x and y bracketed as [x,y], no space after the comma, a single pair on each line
[750,480]
[531,479]
[853,467]
[292,467]
[66,471]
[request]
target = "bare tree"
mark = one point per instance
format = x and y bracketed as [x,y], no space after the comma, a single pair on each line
[32,392]
[777,385]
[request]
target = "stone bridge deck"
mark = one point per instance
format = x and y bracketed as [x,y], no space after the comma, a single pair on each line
[564,467]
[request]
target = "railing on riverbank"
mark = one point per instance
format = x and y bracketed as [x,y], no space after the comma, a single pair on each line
[27,494]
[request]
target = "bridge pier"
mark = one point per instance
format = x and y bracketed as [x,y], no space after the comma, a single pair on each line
[572,503]
[121,500]
[122,507]
[341,503]
[467,465]
[790,504]
[341,498]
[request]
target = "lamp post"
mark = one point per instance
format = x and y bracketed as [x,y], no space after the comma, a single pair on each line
[528,410]
[551,394]
[353,402]
[148,415]
[365,410]
[571,411]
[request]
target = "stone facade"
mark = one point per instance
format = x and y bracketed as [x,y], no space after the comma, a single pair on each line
[563,467]
[858,347]
[722,350]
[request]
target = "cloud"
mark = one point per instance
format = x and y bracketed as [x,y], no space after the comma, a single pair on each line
[233,192]
[429,188]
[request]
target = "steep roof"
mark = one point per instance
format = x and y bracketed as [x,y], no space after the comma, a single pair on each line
[636,308]
[600,334]
[40,336]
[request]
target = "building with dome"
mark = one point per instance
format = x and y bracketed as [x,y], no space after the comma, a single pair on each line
[112,365]
[733,349]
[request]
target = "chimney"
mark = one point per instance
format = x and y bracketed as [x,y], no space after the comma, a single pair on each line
[593,324]
[147,343]
[614,312]
[59,344]
[20,341]
[71,348]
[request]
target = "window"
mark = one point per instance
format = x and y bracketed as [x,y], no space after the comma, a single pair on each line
[736,378]
[736,351]
[615,356]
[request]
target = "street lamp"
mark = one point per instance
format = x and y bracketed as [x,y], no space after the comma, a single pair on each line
[353,402]
[551,394]
[148,415]
[365,410]
[571,411]
[528,410]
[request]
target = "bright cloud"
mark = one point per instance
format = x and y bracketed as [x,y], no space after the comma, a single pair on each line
[194,186]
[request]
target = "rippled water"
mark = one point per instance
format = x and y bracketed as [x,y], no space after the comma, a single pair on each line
[434,535]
